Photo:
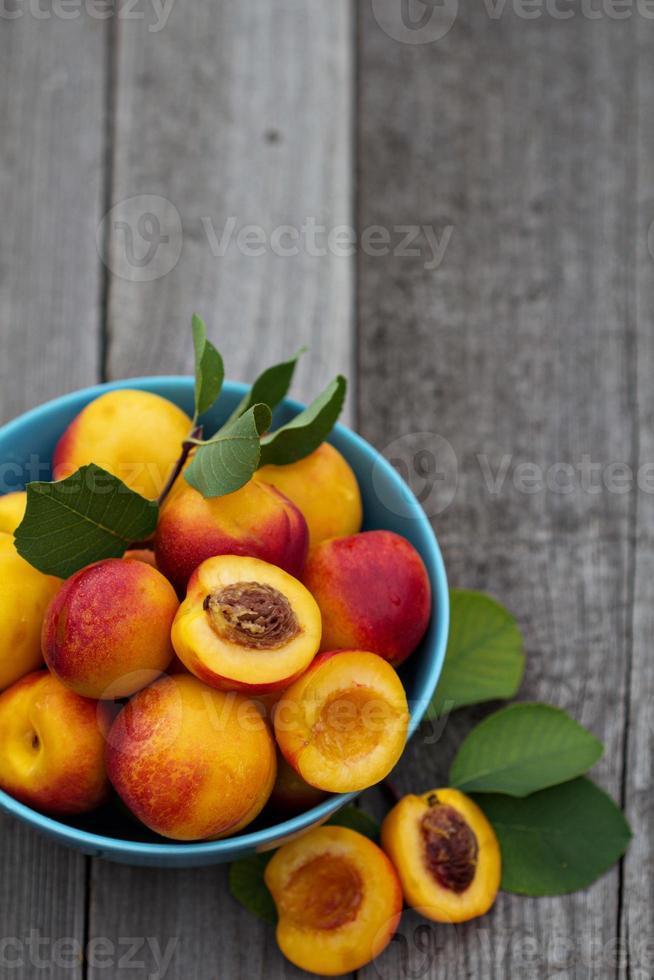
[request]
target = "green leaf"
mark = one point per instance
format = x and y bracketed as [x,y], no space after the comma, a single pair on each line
[521,749]
[248,887]
[209,368]
[270,387]
[306,431]
[227,461]
[89,516]
[558,840]
[484,659]
[355,819]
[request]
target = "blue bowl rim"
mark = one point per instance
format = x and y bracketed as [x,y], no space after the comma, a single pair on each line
[267,837]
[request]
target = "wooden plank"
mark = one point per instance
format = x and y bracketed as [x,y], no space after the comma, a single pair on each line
[233,110]
[516,349]
[237,115]
[51,106]
[637,887]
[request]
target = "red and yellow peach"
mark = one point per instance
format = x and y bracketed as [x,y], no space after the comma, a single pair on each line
[190,762]
[373,592]
[256,522]
[106,634]
[52,745]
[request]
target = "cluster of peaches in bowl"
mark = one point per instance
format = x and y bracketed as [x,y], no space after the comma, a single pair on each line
[230,685]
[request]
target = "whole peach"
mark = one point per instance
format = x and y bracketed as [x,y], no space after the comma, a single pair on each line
[191,762]
[107,632]
[373,592]
[12,510]
[324,488]
[52,745]
[24,597]
[256,521]
[135,435]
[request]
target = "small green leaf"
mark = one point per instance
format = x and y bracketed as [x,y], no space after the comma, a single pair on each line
[247,886]
[559,840]
[89,516]
[209,368]
[227,461]
[484,659]
[355,819]
[270,387]
[521,749]
[306,431]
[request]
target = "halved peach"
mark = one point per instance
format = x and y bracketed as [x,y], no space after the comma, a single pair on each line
[446,854]
[246,625]
[338,898]
[343,724]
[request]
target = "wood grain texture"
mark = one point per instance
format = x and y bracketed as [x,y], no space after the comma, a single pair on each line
[518,349]
[238,115]
[51,107]
[244,111]
[637,885]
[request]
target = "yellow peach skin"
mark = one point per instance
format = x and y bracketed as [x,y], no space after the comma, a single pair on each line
[12,510]
[256,521]
[446,854]
[52,745]
[246,625]
[190,762]
[135,435]
[107,632]
[324,487]
[338,898]
[24,597]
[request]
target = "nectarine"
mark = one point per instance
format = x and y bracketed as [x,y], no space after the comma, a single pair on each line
[373,591]
[446,854]
[343,724]
[107,632]
[52,745]
[246,625]
[338,898]
[256,522]
[324,487]
[135,435]
[191,762]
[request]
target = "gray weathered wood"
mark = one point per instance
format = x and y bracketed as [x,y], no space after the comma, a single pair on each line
[637,885]
[519,134]
[51,107]
[232,110]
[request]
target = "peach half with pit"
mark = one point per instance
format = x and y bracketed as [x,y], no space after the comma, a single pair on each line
[343,724]
[246,625]
[325,489]
[52,745]
[373,591]
[338,898]
[190,762]
[106,634]
[446,854]
[256,521]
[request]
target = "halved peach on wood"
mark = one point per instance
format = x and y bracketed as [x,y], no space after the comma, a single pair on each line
[246,625]
[446,854]
[338,898]
[343,724]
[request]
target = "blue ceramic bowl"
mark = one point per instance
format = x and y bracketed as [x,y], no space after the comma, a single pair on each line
[28,441]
